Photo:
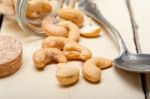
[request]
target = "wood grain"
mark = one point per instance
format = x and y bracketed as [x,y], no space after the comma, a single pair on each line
[116,84]
[142,16]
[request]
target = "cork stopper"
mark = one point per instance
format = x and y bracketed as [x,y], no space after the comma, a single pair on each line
[10,55]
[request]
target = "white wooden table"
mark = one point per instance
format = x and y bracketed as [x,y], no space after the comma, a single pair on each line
[142,18]
[28,83]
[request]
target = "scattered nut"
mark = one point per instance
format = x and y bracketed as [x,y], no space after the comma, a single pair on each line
[73,50]
[74,31]
[42,57]
[71,14]
[53,30]
[92,68]
[54,42]
[67,74]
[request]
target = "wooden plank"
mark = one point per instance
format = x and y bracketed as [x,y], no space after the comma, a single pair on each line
[115,84]
[142,16]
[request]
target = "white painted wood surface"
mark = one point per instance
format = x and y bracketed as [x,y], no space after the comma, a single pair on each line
[141,11]
[28,83]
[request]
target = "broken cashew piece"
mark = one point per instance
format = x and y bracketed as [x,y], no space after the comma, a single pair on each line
[42,57]
[73,50]
[54,42]
[92,68]
[71,14]
[53,30]
[73,29]
[67,74]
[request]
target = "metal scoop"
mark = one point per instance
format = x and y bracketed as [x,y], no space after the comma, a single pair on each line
[126,61]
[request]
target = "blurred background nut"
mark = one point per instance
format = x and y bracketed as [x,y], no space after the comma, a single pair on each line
[37,8]
[51,29]
[71,14]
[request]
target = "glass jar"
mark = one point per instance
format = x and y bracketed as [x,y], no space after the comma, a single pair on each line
[31,24]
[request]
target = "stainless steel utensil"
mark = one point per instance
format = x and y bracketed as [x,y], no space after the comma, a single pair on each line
[127,60]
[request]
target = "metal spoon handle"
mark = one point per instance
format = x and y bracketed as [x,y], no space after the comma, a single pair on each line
[99,18]
[91,9]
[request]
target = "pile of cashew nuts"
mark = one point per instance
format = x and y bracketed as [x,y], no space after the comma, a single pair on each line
[62,45]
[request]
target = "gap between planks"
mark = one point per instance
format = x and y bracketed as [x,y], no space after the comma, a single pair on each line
[137,44]
[1,20]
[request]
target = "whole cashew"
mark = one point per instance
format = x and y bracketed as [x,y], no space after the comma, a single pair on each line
[73,50]
[72,15]
[54,42]
[67,74]
[92,68]
[45,56]
[53,30]
[74,31]
[35,8]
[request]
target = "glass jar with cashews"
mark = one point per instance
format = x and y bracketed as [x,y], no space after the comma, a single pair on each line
[30,13]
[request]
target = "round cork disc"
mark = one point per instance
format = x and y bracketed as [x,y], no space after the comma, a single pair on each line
[10,55]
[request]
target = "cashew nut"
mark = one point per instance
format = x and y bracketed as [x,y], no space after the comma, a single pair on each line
[54,42]
[42,57]
[67,74]
[90,28]
[73,50]
[71,14]
[53,30]
[74,31]
[92,68]
[90,31]
[35,8]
